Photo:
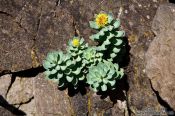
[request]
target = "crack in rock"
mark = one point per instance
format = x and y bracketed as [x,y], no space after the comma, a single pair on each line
[5,13]
[26,102]
[168,109]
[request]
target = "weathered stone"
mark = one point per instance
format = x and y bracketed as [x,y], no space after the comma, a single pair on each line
[4,84]
[50,101]
[80,104]
[164,19]
[5,112]
[136,20]
[21,91]
[29,108]
[37,96]
[31,31]
[15,45]
[160,66]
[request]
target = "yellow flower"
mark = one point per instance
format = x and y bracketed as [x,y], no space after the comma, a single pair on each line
[101,19]
[76,42]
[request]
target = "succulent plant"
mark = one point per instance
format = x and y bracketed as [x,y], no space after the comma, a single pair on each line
[62,70]
[104,75]
[91,57]
[93,65]
[76,47]
[108,36]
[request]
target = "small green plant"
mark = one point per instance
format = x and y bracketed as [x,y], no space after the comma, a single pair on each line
[91,57]
[109,36]
[90,64]
[103,76]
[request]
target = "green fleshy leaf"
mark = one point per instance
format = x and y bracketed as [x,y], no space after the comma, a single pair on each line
[121,73]
[107,42]
[82,78]
[53,71]
[47,73]
[113,55]
[75,81]
[116,50]
[110,18]
[101,48]
[59,75]
[60,85]
[68,63]
[120,34]
[119,42]
[46,64]
[69,79]
[105,81]
[116,23]
[112,83]
[103,87]
[78,70]
[96,85]
[116,66]
[57,67]
[110,36]
[63,68]
[67,71]
[78,59]
[93,25]
[109,76]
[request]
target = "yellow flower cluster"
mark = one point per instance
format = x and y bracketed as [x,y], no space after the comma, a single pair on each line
[101,19]
[76,42]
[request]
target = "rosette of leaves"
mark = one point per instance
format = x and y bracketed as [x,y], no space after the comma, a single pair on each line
[76,47]
[109,36]
[91,57]
[103,76]
[62,70]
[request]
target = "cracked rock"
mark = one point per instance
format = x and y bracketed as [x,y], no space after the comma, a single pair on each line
[21,91]
[29,30]
[160,62]
[4,84]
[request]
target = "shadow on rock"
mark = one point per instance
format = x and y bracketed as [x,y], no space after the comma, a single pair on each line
[118,93]
[172,1]
[29,73]
[82,88]
[10,108]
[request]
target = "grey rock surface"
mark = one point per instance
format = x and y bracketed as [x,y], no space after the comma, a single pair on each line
[160,62]
[30,29]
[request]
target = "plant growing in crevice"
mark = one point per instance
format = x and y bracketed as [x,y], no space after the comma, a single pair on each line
[103,76]
[93,65]
[109,36]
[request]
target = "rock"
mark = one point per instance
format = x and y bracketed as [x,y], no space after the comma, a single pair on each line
[29,30]
[136,20]
[21,91]
[4,84]
[49,100]
[15,45]
[160,66]
[5,112]
[37,96]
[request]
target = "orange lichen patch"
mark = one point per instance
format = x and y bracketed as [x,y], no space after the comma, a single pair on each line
[148,34]
[101,19]
[132,38]
[34,58]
